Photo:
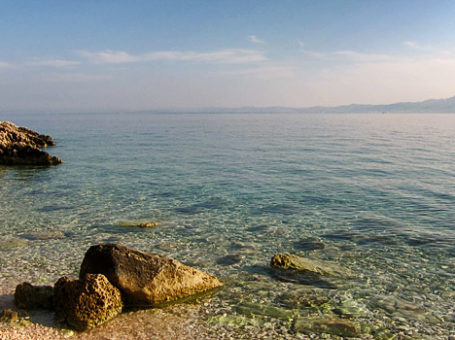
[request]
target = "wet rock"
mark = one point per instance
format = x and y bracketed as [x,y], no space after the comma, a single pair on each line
[303,298]
[9,316]
[138,224]
[28,296]
[263,228]
[291,261]
[86,303]
[310,243]
[44,235]
[334,326]
[21,146]
[145,279]
[12,243]
[301,277]
[229,260]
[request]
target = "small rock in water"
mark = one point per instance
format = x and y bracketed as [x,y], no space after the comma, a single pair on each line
[290,261]
[86,303]
[229,260]
[310,243]
[44,235]
[27,296]
[12,243]
[263,228]
[334,326]
[138,224]
[304,298]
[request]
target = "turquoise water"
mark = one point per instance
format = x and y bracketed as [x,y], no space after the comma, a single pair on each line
[374,194]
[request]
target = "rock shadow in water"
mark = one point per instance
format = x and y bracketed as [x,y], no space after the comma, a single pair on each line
[211,204]
[282,209]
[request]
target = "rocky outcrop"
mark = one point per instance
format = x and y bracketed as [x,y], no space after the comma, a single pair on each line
[86,303]
[145,279]
[27,296]
[21,146]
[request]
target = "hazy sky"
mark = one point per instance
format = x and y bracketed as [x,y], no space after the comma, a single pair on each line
[130,55]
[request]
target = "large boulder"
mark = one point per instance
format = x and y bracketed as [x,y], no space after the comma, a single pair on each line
[22,146]
[27,296]
[86,303]
[145,279]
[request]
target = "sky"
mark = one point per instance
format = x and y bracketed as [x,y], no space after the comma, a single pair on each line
[109,55]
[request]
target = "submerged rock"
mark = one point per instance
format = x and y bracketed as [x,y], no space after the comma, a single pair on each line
[86,303]
[138,224]
[334,326]
[44,235]
[230,259]
[290,261]
[12,243]
[21,146]
[310,243]
[27,296]
[303,298]
[145,279]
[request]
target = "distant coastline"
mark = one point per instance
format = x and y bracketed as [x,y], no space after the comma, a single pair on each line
[446,105]
[441,106]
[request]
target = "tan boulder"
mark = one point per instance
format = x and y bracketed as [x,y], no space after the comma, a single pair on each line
[86,303]
[145,279]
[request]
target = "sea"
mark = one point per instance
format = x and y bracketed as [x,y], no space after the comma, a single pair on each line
[370,194]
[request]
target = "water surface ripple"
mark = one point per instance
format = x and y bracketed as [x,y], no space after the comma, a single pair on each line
[374,194]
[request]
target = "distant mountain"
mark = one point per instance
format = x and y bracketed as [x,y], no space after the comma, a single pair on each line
[427,106]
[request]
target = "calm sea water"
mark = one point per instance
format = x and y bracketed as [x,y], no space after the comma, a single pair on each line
[374,194]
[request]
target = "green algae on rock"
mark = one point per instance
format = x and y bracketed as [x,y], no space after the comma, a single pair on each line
[138,224]
[86,303]
[291,261]
[334,326]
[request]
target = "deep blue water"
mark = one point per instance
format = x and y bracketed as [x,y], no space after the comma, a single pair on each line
[376,190]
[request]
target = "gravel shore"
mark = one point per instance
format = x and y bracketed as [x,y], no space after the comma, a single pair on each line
[183,321]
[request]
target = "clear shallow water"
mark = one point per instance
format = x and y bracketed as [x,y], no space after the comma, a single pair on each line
[377,191]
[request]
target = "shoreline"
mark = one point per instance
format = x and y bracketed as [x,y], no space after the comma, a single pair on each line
[178,321]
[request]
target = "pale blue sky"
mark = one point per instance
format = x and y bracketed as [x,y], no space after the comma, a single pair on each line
[135,55]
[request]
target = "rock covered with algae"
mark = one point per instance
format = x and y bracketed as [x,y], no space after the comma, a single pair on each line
[291,261]
[22,146]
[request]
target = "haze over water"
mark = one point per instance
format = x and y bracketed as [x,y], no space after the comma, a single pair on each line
[372,193]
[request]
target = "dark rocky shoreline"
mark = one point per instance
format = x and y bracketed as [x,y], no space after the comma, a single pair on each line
[22,146]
